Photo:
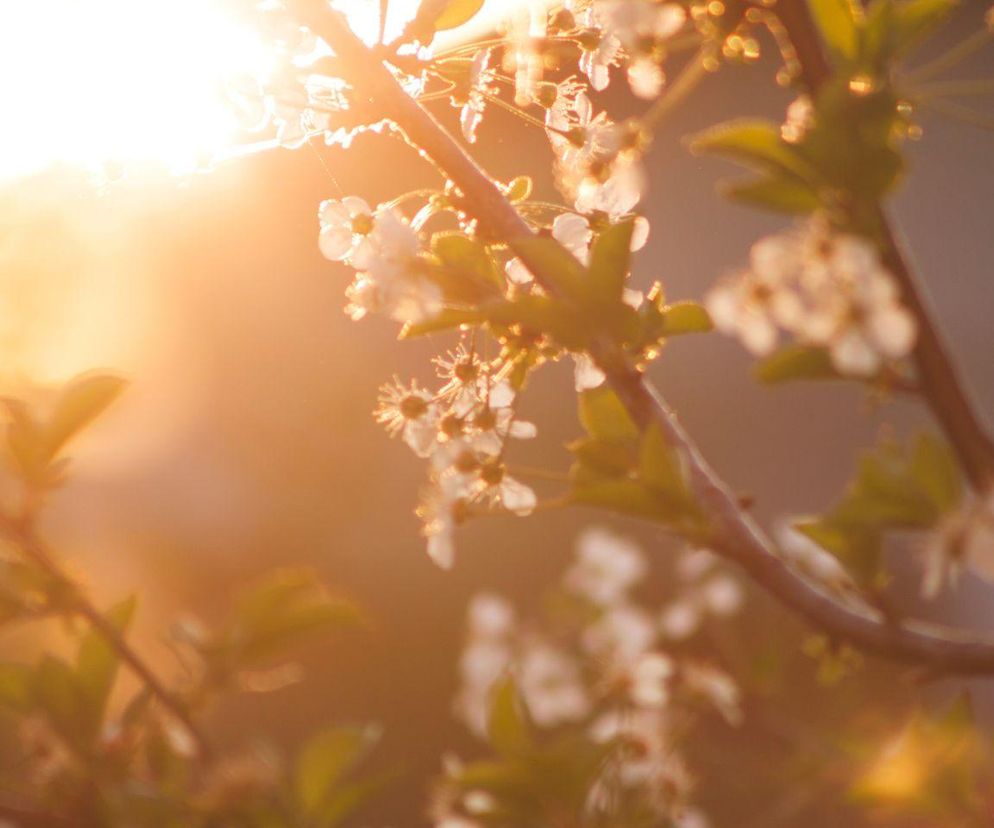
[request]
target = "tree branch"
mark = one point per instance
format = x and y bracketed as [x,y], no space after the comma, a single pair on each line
[940,385]
[22,533]
[735,534]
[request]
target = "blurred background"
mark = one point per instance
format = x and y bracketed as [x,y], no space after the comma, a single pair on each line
[245,440]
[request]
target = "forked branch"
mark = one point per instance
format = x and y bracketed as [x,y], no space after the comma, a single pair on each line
[735,534]
[939,381]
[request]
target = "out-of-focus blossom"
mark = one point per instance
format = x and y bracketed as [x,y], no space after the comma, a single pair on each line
[828,290]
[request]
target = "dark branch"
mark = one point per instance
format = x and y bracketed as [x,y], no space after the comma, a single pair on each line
[938,379]
[735,535]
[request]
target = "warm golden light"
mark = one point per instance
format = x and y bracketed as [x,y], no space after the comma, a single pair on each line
[101,83]
[95,82]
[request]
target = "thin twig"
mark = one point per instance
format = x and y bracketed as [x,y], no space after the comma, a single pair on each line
[734,533]
[23,534]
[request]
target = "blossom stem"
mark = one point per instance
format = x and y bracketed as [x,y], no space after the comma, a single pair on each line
[955,55]
[959,112]
[733,532]
[956,88]
[690,76]
[538,474]
[938,377]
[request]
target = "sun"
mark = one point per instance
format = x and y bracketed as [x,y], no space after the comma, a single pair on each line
[110,82]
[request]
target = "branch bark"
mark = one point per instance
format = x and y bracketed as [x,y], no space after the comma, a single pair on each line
[735,534]
[940,384]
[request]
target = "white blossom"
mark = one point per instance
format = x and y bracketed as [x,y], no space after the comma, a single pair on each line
[607,567]
[552,686]
[827,289]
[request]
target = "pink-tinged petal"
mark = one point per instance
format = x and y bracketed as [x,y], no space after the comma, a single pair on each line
[442,550]
[356,206]
[335,243]
[854,356]
[587,375]
[572,231]
[501,395]
[333,212]
[517,272]
[522,430]
[669,20]
[517,497]
[893,327]
[640,233]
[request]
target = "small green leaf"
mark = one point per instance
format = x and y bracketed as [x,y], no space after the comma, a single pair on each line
[57,692]
[661,468]
[937,472]
[605,418]
[81,401]
[620,495]
[609,259]
[546,256]
[795,362]
[756,144]
[448,319]
[15,686]
[456,13]
[838,22]
[597,458]
[780,194]
[519,189]
[326,759]
[468,273]
[275,613]
[97,663]
[507,726]
[685,318]
[539,314]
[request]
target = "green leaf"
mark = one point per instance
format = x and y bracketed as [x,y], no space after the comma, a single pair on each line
[685,318]
[16,686]
[662,469]
[937,472]
[507,726]
[456,13]
[624,496]
[779,194]
[275,613]
[57,692]
[914,21]
[610,255]
[542,254]
[754,143]
[605,418]
[795,362]
[469,272]
[97,662]
[81,401]
[326,759]
[539,314]
[597,458]
[448,319]
[838,22]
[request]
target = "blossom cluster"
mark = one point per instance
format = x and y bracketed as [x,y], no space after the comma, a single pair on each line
[609,674]
[462,429]
[382,247]
[827,289]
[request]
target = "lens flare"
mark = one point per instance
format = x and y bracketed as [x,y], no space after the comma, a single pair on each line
[90,83]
